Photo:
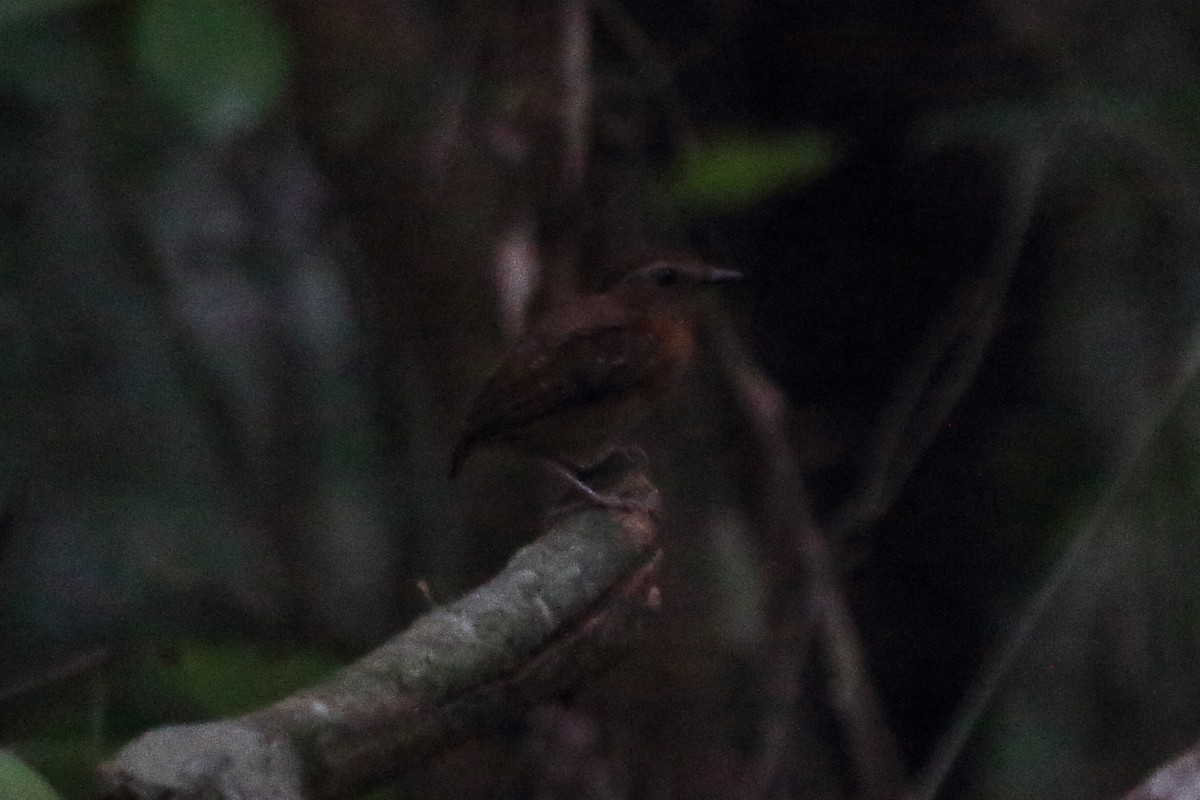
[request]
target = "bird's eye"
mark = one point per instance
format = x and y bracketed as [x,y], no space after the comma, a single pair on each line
[666,277]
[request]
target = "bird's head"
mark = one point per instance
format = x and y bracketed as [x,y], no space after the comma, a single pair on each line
[670,281]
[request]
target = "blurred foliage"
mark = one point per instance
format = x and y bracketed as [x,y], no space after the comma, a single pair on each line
[237,340]
[219,679]
[67,728]
[1077,710]
[18,10]
[19,781]
[148,313]
[223,63]
[735,172]
[66,731]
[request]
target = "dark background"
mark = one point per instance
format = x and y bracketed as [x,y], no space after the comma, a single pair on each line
[255,260]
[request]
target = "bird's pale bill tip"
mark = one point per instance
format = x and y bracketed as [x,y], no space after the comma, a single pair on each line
[718,274]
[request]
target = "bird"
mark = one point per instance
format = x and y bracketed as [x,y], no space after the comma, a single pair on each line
[590,370]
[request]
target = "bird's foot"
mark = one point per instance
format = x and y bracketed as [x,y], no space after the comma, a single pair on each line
[625,504]
[635,492]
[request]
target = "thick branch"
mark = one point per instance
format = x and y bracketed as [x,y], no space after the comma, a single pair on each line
[563,609]
[1178,780]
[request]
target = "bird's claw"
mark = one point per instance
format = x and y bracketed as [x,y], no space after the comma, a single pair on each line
[648,503]
[644,497]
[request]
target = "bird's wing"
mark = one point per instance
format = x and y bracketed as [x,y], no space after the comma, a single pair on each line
[550,377]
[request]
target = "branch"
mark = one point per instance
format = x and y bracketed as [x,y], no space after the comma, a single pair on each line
[1087,530]
[945,363]
[73,666]
[656,71]
[576,66]
[873,751]
[1178,780]
[565,608]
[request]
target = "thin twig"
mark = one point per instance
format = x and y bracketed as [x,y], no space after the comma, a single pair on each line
[1088,530]
[460,77]
[789,656]
[947,360]
[659,74]
[577,94]
[872,749]
[559,216]
[78,664]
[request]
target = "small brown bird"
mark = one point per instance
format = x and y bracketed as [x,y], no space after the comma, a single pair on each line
[591,370]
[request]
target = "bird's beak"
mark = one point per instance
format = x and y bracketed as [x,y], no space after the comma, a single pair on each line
[724,275]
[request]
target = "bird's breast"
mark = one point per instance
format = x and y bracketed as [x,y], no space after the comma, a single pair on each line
[672,345]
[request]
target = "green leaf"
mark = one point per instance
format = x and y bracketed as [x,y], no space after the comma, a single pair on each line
[18,780]
[17,10]
[222,679]
[736,172]
[223,63]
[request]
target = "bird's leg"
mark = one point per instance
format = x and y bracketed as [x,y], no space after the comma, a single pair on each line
[602,499]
